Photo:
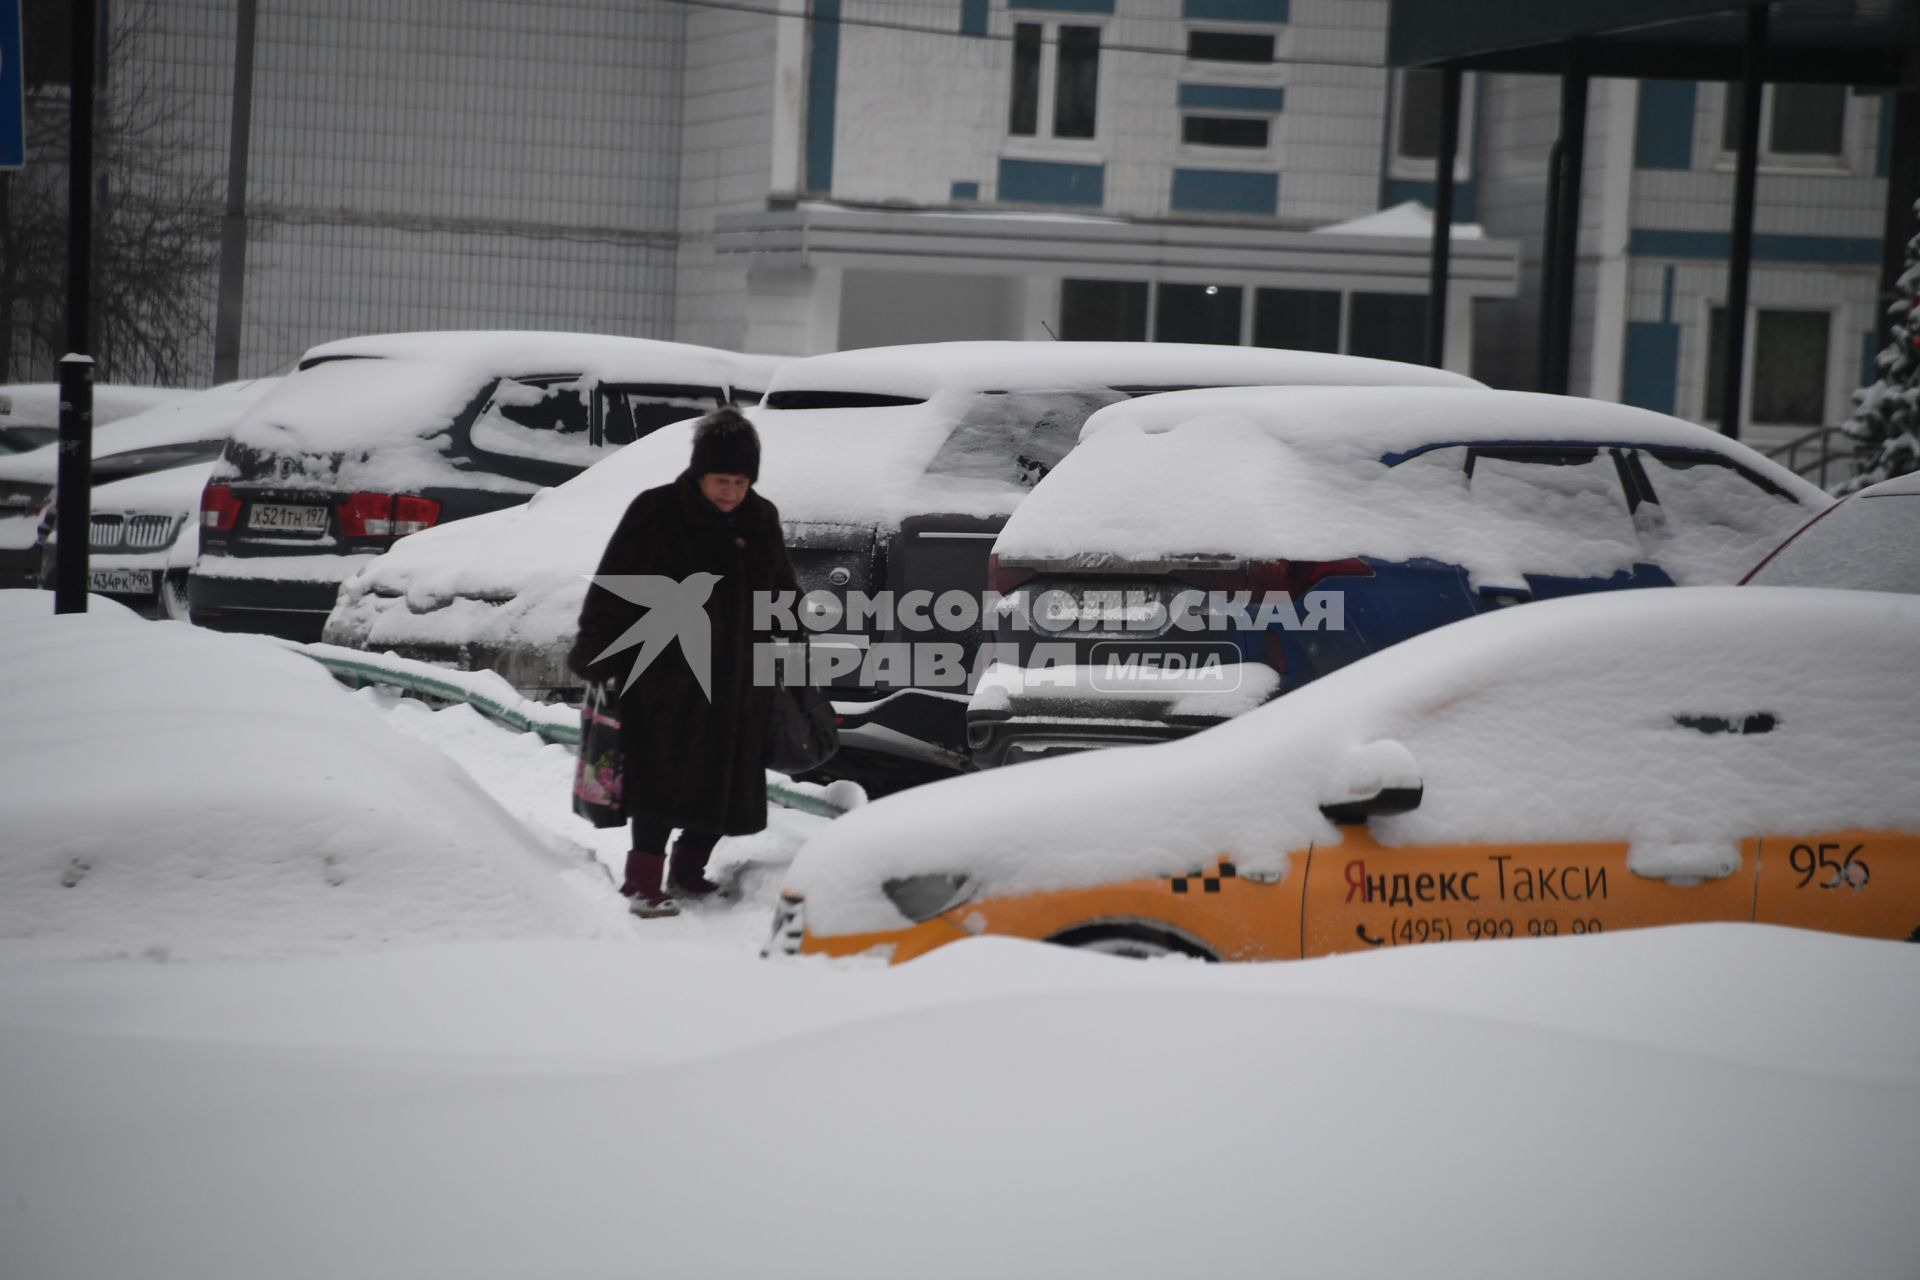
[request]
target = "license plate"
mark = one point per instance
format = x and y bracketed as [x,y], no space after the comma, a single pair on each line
[1100,608]
[120,581]
[275,517]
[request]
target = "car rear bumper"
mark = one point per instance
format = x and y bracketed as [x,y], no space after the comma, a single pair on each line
[275,607]
[997,741]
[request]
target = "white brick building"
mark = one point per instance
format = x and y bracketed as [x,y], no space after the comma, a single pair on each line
[851,172]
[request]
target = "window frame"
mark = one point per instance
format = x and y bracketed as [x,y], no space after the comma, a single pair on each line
[1834,162]
[1423,168]
[1709,382]
[1047,95]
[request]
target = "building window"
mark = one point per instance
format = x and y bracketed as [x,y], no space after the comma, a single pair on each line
[1229,46]
[1103,311]
[1226,131]
[1070,79]
[1786,370]
[1416,126]
[1388,326]
[1198,313]
[1797,121]
[1297,319]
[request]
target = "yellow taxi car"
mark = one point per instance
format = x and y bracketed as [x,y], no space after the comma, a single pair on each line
[1576,766]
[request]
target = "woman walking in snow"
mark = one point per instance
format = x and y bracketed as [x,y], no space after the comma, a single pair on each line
[694,749]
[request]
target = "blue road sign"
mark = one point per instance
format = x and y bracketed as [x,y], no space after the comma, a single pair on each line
[13,89]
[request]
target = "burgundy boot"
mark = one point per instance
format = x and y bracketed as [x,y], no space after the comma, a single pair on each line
[642,888]
[687,876]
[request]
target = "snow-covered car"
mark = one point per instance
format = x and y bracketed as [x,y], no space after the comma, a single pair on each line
[1203,552]
[893,468]
[30,411]
[1868,541]
[376,438]
[145,531]
[143,429]
[1583,765]
[322,831]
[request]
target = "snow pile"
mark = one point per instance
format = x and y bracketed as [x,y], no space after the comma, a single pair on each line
[1303,473]
[1566,720]
[175,793]
[1599,1107]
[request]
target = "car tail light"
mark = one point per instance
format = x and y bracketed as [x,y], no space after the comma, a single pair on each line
[367,515]
[386,515]
[218,508]
[412,514]
[1008,579]
[1297,577]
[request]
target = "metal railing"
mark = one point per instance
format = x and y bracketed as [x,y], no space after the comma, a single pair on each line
[490,695]
[1830,456]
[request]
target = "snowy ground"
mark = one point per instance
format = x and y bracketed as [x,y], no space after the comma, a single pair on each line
[570,1093]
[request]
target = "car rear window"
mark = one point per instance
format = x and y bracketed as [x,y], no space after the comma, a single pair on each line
[1017,437]
[801,399]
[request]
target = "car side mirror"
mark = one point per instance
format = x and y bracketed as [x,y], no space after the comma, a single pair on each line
[1374,780]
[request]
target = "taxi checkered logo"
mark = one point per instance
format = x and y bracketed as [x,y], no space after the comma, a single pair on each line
[1207,883]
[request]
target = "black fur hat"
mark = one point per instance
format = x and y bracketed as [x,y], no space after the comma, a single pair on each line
[724,442]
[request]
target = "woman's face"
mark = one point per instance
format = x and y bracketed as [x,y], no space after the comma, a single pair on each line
[723,490]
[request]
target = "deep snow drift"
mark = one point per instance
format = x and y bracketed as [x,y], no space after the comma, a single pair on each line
[464,1061]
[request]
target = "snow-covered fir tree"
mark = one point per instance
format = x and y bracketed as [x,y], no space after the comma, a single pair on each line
[1885,424]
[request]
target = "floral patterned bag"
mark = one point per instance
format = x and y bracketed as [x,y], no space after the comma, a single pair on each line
[597,778]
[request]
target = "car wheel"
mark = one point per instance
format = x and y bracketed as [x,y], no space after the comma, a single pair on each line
[1136,940]
[173,597]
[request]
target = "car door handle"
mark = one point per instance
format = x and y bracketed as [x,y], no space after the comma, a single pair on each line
[1504,596]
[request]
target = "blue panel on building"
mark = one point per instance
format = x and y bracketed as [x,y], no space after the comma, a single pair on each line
[973,17]
[13,102]
[1869,357]
[1225,191]
[1663,135]
[823,84]
[1651,377]
[1232,97]
[1064,6]
[1049,182]
[966,191]
[1830,251]
[1235,10]
[1466,197]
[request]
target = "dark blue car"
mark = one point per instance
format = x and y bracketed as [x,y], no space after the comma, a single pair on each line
[1205,551]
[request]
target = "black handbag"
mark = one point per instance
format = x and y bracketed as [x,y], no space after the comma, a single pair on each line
[805,732]
[598,778]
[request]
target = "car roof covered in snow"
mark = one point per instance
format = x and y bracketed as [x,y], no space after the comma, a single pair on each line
[1488,708]
[194,415]
[920,371]
[512,353]
[1332,472]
